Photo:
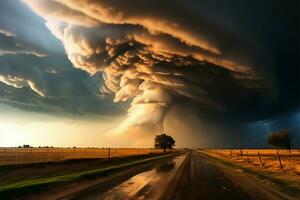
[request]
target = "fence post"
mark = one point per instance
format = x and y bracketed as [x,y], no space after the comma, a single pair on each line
[108,153]
[22,157]
[247,157]
[230,154]
[279,159]
[239,144]
[261,163]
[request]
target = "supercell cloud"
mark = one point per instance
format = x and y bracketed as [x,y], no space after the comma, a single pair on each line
[156,58]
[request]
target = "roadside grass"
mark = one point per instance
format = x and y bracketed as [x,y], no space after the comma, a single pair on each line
[36,185]
[22,172]
[286,188]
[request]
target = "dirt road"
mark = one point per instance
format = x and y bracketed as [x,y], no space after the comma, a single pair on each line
[187,177]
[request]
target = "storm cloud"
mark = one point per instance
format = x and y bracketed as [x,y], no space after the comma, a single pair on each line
[35,74]
[206,68]
[155,57]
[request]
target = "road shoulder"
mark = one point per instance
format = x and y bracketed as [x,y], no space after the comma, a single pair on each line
[57,187]
[257,185]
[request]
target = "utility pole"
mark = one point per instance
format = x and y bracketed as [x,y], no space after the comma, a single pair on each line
[239,143]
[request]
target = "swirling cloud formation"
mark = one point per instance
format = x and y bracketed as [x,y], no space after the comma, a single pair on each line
[151,55]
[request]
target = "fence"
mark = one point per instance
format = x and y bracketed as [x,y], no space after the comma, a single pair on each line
[263,157]
[35,155]
[251,152]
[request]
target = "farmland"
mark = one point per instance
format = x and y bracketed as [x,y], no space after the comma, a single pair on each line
[35,177]
[277,168]
[272,160]
[10,156]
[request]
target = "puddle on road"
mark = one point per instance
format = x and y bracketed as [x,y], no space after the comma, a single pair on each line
[146,185]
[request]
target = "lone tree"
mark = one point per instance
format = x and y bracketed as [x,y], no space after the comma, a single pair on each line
[281,139]
[164,142]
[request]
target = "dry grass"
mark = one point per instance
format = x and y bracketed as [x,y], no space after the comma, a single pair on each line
[34,155]
[269,161]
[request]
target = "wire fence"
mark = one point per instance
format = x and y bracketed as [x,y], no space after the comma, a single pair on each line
[267,158]
[251,152]
[10,156]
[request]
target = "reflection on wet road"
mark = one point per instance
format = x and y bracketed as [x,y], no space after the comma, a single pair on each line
[203,179]
[147,185]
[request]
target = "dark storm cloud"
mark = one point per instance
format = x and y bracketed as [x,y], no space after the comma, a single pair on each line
[34,72]
[226,61]
[50,84]
[157,57]
[26,28]
[11,45]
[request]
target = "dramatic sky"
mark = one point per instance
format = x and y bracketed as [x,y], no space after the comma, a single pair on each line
[116,73]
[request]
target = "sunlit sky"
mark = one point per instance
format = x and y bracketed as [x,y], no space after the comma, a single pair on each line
[21,127]
[37,129]
[201,71]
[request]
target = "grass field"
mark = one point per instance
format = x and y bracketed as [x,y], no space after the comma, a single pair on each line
[9,156]
[269,159]
[37,177]
[285,177]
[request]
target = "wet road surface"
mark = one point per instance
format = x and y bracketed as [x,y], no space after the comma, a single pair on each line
[191,176]
[201,180]
[146,185]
